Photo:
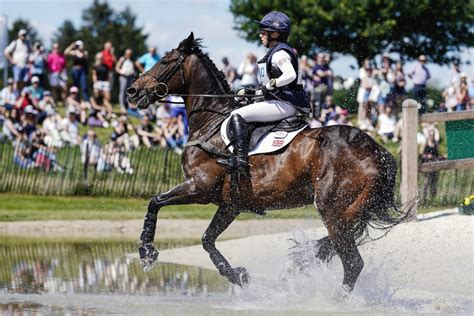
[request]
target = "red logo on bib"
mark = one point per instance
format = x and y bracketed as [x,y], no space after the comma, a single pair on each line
[278,143]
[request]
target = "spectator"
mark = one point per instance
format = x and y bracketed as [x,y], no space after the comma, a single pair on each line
[126,69]
[2,124]
[150,136]
[70,128]
[57,73]
[450,97]
[99,111]
[12,125]
[248,71]
[455,72]
[47,103]
[124,132]
[100,79]
[29,124]
[148,60]
[38,61]
[367,82]
[420,75]
[305,71]
[344,118]
[53,128]
[36,91]
[113,155]
[430,152]
[23,155]
[109,60]
[229,71]
[79,67]
[462,94]
[43,156]
[397,94]
[328,107]
[332,119]
[386,124]
[73,105]
[90,149]
[17,54]
[23,100]
[8,96]
[322,82]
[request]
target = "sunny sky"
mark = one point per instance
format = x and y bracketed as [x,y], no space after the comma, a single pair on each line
[169,21]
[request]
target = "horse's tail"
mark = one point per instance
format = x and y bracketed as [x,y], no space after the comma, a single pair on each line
[381,211]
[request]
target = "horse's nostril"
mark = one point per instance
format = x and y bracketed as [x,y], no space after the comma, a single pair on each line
[131,92]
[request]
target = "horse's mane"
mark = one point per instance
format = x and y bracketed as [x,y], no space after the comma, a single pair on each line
[216,109]
[195,47]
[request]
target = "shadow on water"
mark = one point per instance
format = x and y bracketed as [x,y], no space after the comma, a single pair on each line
[31,266]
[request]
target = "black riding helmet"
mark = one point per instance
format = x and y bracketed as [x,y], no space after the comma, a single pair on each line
[276,21]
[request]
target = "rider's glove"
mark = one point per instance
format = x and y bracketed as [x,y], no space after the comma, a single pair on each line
[270,85]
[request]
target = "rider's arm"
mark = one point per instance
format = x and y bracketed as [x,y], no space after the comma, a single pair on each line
[283,61]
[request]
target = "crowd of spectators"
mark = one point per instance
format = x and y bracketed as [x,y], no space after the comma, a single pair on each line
[47,105]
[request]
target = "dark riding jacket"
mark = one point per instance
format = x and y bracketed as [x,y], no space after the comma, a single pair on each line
[293,93]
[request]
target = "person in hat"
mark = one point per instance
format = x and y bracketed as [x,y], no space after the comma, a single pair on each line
[18,53]
[281,89]
[420,75]
[72,104]
[8,96]
[23,100]
[79,66]
[36,91]
[57,72]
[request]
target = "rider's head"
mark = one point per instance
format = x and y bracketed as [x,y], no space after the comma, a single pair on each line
[274,27]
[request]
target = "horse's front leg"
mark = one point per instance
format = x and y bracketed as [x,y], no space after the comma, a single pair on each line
[221,220]
[184,193]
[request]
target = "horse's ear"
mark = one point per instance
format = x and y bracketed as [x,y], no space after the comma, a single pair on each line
[187,44]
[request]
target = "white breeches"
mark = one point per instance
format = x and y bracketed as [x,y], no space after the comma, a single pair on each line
[266,111]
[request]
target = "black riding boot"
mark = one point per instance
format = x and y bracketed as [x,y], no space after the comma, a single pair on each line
[238,133]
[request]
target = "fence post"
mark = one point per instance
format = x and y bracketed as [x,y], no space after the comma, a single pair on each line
[409,184]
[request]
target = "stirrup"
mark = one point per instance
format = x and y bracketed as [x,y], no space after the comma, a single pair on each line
[233,164]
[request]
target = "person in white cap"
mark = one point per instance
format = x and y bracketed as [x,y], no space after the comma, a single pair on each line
[79,66]
[17,54]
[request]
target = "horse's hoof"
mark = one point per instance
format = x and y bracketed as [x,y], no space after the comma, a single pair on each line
[148,256]
[343,293]
[241,276]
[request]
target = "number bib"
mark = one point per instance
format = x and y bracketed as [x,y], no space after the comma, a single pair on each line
[262,73]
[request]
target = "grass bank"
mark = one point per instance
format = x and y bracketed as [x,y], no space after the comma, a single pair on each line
[19,207]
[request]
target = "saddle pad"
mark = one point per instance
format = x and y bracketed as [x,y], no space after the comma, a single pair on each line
[266,143]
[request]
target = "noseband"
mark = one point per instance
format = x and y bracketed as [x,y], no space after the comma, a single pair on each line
[161,89]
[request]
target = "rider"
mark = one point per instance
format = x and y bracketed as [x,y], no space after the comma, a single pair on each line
[283,94]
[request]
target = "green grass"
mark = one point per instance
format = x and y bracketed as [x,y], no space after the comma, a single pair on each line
[16,207]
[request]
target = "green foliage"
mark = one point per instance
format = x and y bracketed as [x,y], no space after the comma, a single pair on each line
[19,24]
[367,28]
[101,24]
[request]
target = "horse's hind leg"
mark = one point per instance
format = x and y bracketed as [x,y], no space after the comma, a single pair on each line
[352,262]
[221,220]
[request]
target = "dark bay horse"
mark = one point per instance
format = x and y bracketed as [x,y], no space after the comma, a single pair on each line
[341,170]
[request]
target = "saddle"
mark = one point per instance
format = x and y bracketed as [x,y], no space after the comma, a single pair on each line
[281,128]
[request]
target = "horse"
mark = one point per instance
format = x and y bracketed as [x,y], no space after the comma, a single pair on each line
[348,177]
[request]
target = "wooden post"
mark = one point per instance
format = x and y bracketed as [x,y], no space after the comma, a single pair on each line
[409,184]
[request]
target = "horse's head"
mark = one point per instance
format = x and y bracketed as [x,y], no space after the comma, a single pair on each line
[166,77]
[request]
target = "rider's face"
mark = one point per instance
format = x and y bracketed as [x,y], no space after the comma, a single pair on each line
[264,37]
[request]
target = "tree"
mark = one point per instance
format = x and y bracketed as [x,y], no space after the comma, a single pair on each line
[65,35]
[367,28]
[19,24]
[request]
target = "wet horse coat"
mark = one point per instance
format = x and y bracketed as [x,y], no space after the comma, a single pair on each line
[340,169]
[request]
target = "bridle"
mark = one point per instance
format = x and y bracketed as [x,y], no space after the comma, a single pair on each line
[161,89]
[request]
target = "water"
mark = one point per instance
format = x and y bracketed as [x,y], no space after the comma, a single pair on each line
[61,276]
[418,268]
